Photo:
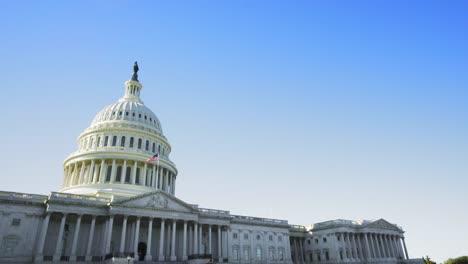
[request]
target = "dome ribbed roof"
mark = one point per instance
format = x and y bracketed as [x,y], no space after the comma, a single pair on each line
[128,110]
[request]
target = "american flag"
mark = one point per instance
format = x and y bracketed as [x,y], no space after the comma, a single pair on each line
[153,158]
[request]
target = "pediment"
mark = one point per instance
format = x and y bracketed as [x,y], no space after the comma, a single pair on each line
[156,200]
[383,224]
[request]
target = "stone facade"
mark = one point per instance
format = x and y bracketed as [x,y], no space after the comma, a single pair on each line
[116,205]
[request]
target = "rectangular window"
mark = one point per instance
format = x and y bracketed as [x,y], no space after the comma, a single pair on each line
[280,238]
[270,237]
[147,145]
[234,235]
[114,141]
[235,253]
[246,254]
[16,222]
[122,142]
[98,142]
[246,236]
[106,141]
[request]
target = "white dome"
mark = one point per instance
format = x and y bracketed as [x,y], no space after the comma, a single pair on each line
[113,156]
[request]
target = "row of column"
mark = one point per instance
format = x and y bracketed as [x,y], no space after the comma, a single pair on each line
[193,248]
[298,244]
[371,246]
[97,171]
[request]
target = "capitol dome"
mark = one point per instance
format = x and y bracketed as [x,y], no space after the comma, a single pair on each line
[113,152]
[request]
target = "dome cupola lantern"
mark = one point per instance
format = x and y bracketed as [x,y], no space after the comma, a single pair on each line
[133,86]
[113,153]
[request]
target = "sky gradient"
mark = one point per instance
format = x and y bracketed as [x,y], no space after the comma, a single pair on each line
[306,111]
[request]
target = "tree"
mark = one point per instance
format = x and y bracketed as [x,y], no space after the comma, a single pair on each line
[428,260]
[459,260]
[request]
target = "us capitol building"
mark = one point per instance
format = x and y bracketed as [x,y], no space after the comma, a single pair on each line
[115,206]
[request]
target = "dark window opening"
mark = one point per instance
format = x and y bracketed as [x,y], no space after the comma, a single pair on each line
[131,142]
[118,177]
[127,175]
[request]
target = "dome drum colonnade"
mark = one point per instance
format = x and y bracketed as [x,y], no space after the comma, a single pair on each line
[113,151]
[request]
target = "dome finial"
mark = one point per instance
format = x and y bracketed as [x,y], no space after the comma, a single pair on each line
[135,72]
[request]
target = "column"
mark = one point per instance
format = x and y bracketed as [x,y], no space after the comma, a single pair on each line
[102,172]
[173,256]
[137,237]
[90,239]
[75,239]
[173,185]
[381,246]
[58,247]
[390,248]
[73,175]
[360,252]
[165,182]
[143,175]
[200,235]
[109,234]
[184,243]
[387,248]
[82,169]
[148,256]
[90,172]
[397,248]
[368,252]
[159,172]
[384,245]
[195,239]
[134,169]
[161,242]
[95,173]
[189,240]
[220,250]
[113,172]
[209,239]
[226,243]
[124,172]
[404,246]
[122,236]
[40,247]
[155,180]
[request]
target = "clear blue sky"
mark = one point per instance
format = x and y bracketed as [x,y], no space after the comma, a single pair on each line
[306,111]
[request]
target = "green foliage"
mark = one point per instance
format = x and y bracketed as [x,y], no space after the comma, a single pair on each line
[427,260]
[459,260]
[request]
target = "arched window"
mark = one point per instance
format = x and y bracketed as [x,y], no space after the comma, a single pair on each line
[98,142]
[114,141]
[91,141]
[139,143]
[122,142]
[154,147]
[106,141]
[147,145]
[109,171]
[159,148]
[127,175]
[131,142]
[118,177]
